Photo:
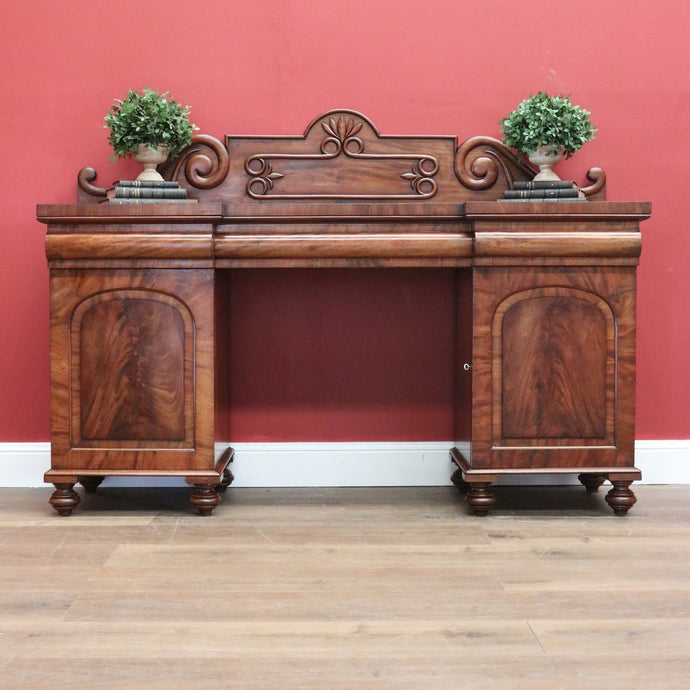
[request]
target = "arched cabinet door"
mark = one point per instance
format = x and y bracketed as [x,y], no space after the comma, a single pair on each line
[132,355]
[132,369]
[553,367]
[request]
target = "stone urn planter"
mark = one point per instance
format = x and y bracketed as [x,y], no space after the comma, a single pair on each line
[150,157]
[545,157]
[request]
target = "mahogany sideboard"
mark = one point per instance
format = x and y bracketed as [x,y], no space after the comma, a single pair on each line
[545,364]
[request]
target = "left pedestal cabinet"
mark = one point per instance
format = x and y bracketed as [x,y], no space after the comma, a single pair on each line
[132,348]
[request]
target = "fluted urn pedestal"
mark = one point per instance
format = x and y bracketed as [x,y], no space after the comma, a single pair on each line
[150,157]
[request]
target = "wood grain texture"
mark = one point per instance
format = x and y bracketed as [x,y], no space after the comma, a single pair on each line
[129,352]
[383,247]
[343,158]
[554,367]
[132,368]
[558,244]
[109,214]
[557,363]
[129,246]
[529,214]
[345,589]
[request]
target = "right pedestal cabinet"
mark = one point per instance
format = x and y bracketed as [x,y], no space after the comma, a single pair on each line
[553,348]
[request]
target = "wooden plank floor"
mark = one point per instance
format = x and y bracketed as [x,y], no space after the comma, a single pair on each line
[345,588]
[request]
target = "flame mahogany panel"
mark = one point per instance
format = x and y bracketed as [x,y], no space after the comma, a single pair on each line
[132,372]
[557,360]
[554,367]
[131,356]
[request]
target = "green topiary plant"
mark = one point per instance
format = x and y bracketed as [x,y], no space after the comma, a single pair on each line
[149,118]
[544,120]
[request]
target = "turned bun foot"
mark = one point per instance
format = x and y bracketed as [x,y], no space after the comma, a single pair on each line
[591,482]
[459,481]
[205,498]
[480,498]
[621,498]
[64,499]
[90,484]
[227,479]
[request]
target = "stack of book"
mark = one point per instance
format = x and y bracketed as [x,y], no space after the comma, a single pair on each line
[148,192]
[546,190]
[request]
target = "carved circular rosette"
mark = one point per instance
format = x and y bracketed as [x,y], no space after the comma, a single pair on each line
[331,147]
[421,177]
[205,162]
[353,146]
[342,137]
[261,176]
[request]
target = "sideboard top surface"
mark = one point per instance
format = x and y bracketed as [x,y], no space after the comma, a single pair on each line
[343,194]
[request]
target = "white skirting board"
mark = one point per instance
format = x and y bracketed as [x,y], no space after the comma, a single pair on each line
[347,464]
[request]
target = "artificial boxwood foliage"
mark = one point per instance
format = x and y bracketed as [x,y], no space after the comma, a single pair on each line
[544,120]
[151,118]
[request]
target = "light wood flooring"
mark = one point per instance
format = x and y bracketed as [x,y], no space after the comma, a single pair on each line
[345,588]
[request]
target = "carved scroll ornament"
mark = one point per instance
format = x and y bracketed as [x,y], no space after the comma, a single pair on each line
[341,139]
[598,177]
[84,179]
[481,161]
[481,164]
[204,163]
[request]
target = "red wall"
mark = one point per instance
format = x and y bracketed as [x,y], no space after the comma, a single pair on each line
[438,67]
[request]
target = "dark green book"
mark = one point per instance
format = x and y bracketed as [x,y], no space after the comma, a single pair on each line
[542,193]
[115,200]
[544,184]
[147,183]
[150,193]
[542,200]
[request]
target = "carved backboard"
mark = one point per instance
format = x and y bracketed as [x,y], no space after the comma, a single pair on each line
[341,165]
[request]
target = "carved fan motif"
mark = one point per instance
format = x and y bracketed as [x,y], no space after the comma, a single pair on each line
[341,129]
[342,139]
